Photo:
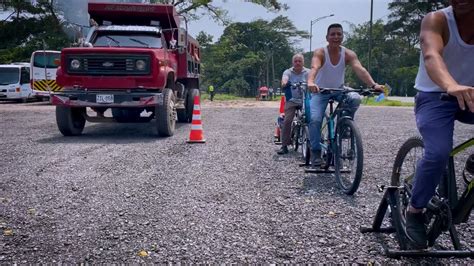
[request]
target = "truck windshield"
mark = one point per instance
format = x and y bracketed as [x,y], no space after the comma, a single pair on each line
[127,39]
[45,60]
[9,75]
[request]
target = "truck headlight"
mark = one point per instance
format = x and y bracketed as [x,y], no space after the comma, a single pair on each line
[140,64]
[75,64]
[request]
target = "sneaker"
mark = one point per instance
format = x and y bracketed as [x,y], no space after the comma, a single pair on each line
[316,158]
[416,230]
[283,150]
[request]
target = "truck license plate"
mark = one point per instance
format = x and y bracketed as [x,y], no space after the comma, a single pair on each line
[105,98]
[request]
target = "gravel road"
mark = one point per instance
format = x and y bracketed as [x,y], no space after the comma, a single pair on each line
[119,194]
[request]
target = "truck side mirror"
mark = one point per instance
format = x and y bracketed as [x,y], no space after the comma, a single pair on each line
[181,38]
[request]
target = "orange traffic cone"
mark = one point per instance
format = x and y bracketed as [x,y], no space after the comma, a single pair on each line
[196,135]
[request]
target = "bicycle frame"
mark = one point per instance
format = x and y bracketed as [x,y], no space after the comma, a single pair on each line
[460,209]
[333,119]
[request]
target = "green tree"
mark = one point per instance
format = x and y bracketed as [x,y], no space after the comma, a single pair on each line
[405,18]
[192,8]
[256,52]
[21,35]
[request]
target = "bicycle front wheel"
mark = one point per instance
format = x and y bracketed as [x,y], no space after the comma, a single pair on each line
[349,156]
[403,176]
[326,145]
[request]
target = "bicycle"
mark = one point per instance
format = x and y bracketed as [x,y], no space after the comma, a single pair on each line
[300,124]
[341,142]
[445,210]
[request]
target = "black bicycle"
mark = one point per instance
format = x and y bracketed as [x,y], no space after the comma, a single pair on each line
[341,142]
[445,210]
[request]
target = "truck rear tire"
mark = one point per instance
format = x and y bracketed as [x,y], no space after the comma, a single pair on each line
[165,115]
[186,115]
[70,120]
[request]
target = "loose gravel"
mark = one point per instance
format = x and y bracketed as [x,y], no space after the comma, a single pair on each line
[119,194]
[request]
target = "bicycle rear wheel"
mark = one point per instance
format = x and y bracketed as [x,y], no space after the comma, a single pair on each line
[295,136]
[305,144]
[349,156]
[403,176]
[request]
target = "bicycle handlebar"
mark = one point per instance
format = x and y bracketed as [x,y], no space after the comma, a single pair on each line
[297,84]
[344,89]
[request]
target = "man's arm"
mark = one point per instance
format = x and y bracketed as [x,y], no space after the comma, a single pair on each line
[433,28]
[316,63]
[360,71]
[285,77]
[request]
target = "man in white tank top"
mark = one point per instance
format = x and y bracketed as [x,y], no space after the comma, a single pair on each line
[329,63]
[446,65]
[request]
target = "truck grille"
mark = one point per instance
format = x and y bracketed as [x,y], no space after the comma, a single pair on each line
[113,65]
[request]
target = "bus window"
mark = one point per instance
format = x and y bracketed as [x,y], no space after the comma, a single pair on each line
[25,75]
[45,59]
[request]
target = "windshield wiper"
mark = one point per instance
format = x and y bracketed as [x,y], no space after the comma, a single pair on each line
[112,39]
[140,42]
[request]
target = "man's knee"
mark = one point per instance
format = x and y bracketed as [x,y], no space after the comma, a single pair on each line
[316,120]
[438,153]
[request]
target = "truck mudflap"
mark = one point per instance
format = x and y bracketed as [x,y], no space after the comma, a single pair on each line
[106,99]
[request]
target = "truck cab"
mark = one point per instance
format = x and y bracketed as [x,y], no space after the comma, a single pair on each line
[136,61]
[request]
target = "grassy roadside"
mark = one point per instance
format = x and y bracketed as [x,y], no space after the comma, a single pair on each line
[386,102]
[365,101]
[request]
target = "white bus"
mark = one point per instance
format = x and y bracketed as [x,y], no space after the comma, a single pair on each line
[44,64]
[15,82]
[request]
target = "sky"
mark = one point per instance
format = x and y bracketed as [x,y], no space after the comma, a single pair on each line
[301,12]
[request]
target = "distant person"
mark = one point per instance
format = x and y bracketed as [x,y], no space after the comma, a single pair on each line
[211,92]
[294,97]
[328,67]
[446,65]
[270,92]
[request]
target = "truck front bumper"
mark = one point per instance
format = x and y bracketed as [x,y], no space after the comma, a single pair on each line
[83,98]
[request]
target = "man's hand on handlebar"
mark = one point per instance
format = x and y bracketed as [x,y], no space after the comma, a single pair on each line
[378,87]
[313,87]
[464,94]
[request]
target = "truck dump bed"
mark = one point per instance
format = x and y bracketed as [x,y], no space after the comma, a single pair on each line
[134,14]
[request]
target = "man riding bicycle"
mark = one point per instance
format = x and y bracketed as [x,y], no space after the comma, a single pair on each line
[294,97]
[446,65]
[328,66]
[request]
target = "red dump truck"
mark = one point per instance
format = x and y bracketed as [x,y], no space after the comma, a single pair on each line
[136,61]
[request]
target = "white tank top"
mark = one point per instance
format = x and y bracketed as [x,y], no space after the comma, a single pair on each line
[329,75]
[458,57]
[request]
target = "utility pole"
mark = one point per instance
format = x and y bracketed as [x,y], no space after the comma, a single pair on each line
[370,33]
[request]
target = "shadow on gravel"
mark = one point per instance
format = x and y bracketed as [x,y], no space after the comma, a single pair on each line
[112,133]
[318,183]
[323,183]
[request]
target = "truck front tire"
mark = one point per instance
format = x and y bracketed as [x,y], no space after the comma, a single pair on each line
[70,121]
[165,115]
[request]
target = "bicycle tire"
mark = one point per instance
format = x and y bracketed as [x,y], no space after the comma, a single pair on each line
[354,155]
[403,173]
[295,135]
[305,144]
[326,149]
